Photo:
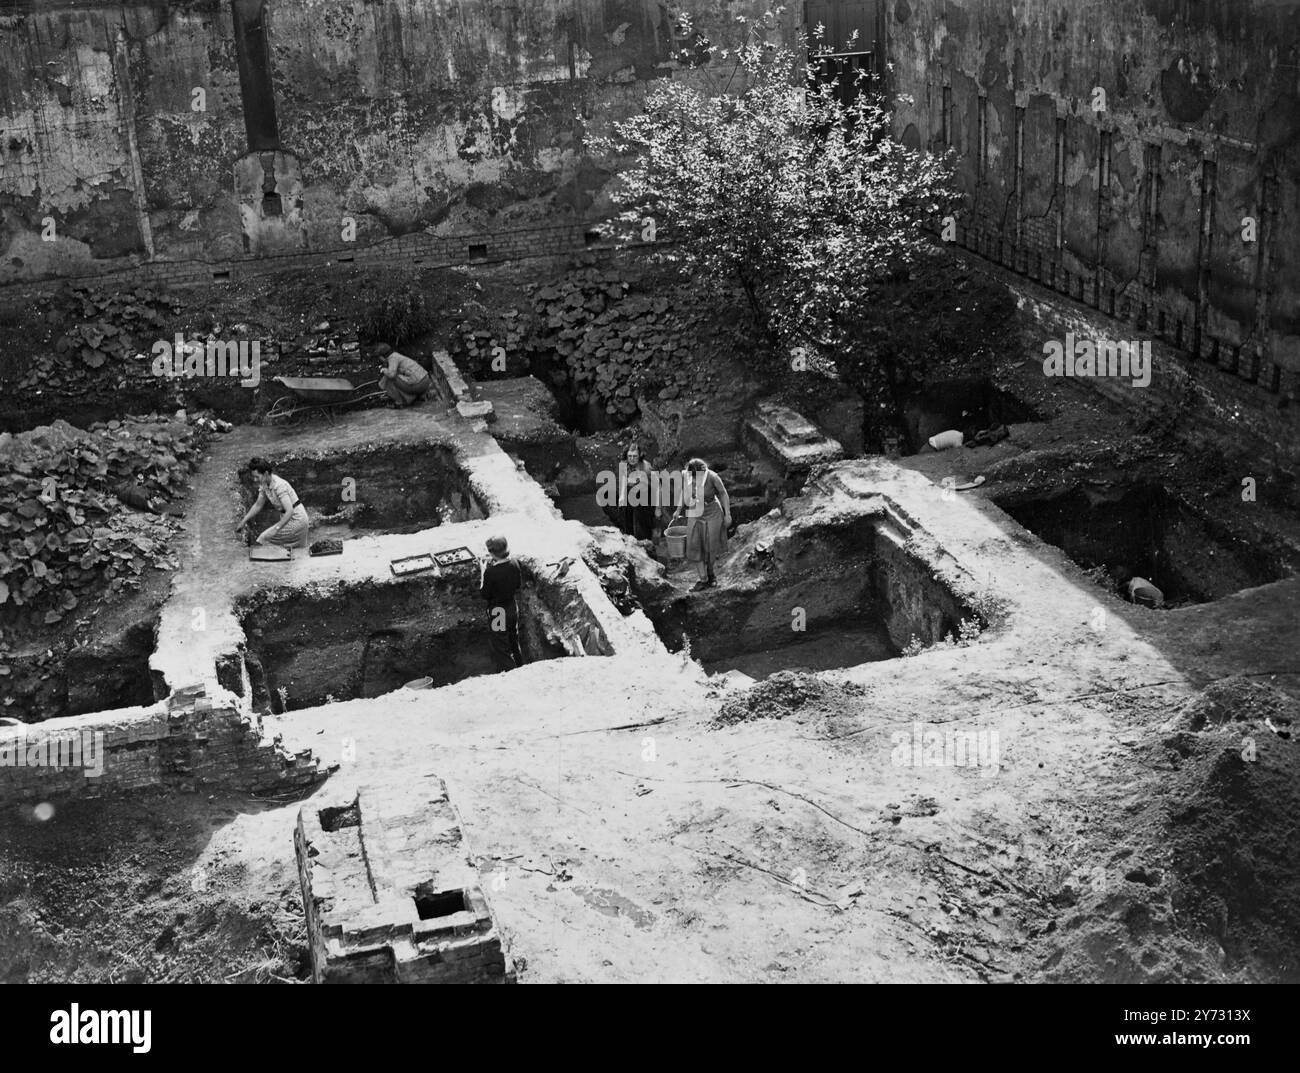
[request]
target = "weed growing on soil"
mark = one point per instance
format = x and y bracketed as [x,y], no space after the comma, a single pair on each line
[65,531]
[968,632]
[108,332]
[397,316]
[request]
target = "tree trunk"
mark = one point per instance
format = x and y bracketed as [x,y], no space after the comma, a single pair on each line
[873,426]
[756,308]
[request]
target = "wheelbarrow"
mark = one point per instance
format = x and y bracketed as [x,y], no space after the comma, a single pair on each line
[318,394]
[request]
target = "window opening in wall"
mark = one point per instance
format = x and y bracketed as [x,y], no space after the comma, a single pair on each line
[1019,178]
[1209,203]
[1150,200]
[947,115]
[256,91]
[982,137]
[1060,182]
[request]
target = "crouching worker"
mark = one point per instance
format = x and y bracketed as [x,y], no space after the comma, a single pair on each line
[1139,590]
[501,580]
[293,529]
[404,379]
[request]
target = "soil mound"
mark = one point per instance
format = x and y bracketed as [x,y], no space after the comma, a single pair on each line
[788,693]
[1236,700]
[1233,831]
[1206,885]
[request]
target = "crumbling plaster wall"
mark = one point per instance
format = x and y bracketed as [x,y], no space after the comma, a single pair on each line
[149,130]
[1145,198]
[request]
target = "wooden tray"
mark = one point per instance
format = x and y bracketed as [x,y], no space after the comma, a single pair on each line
[455,557]
[412,564]
[268,553]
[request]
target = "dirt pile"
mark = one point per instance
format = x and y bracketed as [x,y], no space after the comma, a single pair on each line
[121,892]
[1206,884]
[1236,700]
[791,693]
[1234,826]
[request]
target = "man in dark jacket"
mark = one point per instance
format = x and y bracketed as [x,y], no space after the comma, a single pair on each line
[502,579]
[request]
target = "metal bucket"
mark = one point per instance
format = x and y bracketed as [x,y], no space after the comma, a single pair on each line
[675,536]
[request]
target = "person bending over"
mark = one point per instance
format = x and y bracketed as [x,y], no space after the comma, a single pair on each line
[707,508]
[500,581]
[294,526]
[404,379]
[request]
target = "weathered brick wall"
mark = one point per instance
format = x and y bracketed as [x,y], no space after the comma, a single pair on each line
[210,132]
[1123,153]
[187,744]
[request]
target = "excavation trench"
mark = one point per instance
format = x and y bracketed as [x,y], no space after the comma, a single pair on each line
[307,648]
[967,405]
[389,490]
[1143,529]
[837,596]
[112,673]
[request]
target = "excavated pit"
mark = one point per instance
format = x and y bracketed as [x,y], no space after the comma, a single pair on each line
[306,649]
[968,405]
[109,674]
[837,596]
[390,490]
[1145,530]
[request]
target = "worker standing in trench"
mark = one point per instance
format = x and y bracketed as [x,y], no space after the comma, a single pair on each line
[500,580]
[707,509]
[636,508]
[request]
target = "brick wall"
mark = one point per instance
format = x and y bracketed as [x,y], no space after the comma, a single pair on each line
[199,133]
[1121,154]
[409,251]
[188,743]
[1219,398]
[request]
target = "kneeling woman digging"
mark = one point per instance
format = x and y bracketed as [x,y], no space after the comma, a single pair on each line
[293,528]
[707,508]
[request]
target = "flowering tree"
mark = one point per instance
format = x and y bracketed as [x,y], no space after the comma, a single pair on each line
[773,183]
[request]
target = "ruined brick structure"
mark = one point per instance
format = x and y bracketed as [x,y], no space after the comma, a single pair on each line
[188,743]
[1143,157]
[206,133]
[389,894]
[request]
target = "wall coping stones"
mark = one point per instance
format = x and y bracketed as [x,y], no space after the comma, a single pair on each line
[792,441]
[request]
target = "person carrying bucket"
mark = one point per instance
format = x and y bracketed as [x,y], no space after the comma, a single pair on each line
[707,510]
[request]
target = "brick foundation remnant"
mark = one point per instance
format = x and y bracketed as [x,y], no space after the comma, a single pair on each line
[389,894]
[187,743]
